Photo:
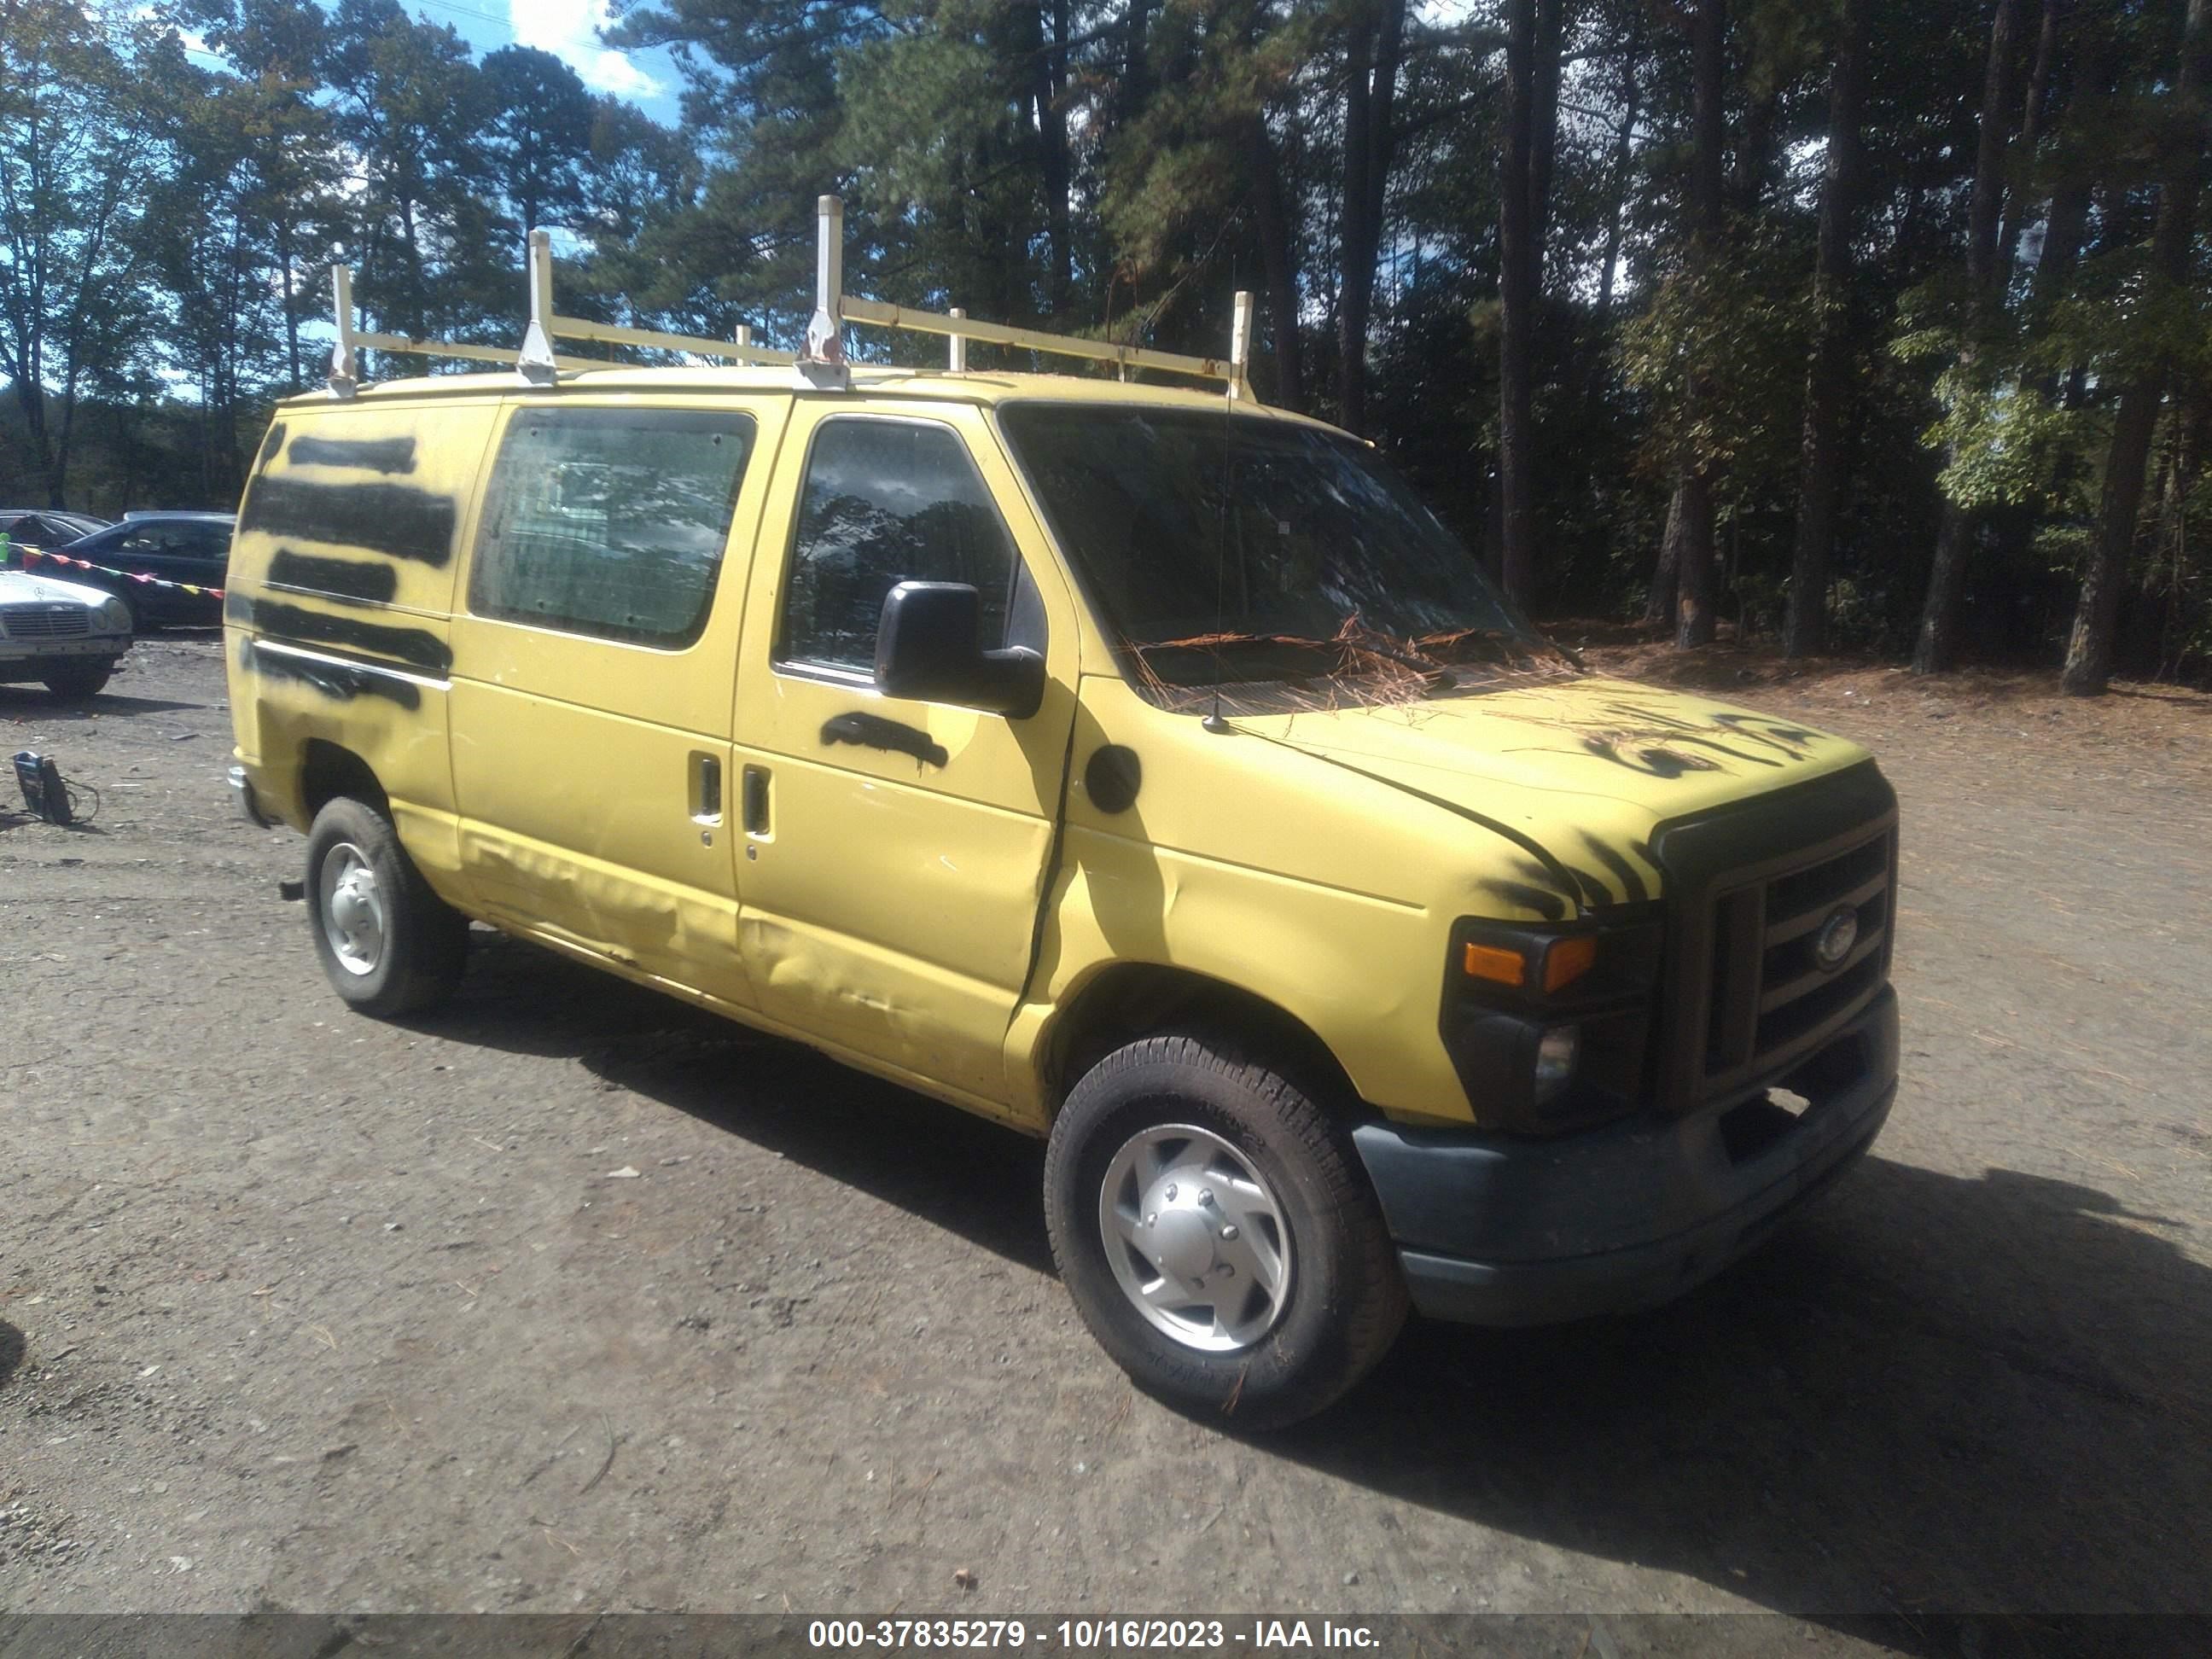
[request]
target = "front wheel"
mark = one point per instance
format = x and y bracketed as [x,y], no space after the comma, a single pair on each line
[388,944]
[77,680]
[1218,1234]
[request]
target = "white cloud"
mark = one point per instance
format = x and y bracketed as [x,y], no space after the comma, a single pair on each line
[570,30]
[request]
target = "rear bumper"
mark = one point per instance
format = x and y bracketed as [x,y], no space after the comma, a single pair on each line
[241,790]
[1493,1230]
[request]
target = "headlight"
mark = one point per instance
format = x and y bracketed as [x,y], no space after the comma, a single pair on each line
[1548,1026]
[1557,1051]
[114,614]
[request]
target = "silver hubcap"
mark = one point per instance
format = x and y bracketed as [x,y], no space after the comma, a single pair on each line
[353,910]
[1195,1238]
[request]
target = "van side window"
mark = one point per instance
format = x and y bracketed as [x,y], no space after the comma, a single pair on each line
[610,522]
[888,501]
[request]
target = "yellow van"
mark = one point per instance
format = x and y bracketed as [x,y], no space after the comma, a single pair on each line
[1146,769]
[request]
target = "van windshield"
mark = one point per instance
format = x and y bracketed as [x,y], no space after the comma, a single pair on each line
[1286,565]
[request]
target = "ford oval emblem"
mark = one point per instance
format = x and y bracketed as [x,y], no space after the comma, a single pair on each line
[1838,934]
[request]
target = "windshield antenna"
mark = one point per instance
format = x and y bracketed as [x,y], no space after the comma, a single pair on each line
[1213,722]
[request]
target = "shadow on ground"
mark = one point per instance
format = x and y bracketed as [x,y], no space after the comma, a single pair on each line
[12,1349]
[29,701]
[1936,1393]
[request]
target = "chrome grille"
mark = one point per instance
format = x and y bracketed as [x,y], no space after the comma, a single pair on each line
[45,622]
[1769,998]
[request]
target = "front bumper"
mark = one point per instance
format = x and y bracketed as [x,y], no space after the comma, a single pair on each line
[27,660]
[1496,1229]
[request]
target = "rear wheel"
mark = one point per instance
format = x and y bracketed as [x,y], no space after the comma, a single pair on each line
[1218,1234]
[388,944]
[80,679]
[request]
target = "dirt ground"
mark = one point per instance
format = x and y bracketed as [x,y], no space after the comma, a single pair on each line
[299,1311]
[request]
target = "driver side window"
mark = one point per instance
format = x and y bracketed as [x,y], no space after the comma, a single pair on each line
[887,501]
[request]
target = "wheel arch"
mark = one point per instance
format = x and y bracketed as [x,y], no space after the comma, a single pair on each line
[328,771]
[1126,1001]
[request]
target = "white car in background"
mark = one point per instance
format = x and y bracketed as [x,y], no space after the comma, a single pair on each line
[67,634]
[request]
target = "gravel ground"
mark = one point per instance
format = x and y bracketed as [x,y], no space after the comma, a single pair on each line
[298,1311]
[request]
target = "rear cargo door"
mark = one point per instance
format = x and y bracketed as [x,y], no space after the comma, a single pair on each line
[894,851]
[594,642]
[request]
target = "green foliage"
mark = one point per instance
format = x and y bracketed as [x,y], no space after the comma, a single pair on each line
[1744,327]
[1120,166]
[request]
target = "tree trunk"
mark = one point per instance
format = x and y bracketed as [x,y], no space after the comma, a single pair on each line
[1278,262]
[2089,652]
[1947,582]
[2066,225]
[1136,68]
[2031,135]
[1828,375]
[1623,153]
[291,303]
[1692,512]
[1044,46]
[31,399]
[1754,155]
[1659,602]
[1516,292]
[1052,118]
[1370,98]
[1544,128]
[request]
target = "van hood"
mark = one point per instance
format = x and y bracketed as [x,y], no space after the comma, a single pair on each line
[1576,772]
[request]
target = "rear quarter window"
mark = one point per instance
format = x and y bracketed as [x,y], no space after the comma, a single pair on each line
[610,522]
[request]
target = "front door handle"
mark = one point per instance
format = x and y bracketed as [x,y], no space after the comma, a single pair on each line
[755,804]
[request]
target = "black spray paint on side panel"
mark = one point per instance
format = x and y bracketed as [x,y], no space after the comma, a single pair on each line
[339,579]
[874,731]
[384,518]
[367,454]
[294,625]
[271,446]
[341,682]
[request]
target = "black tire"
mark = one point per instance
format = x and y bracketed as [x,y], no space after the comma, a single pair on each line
[76,681]
[421,942]
[1346,1299]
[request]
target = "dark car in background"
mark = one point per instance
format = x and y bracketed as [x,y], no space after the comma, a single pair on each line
[191,548]
[43,527]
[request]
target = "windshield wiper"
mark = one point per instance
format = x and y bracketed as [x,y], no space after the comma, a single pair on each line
[1359,645]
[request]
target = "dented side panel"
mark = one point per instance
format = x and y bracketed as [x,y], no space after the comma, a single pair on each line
[891,894]
[593,775]
[1319,860]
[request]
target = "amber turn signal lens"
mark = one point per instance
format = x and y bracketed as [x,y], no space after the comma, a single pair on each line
[1567,961]
[1493,963]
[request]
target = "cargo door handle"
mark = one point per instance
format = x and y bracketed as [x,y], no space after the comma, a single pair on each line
[706,788]
[754,807]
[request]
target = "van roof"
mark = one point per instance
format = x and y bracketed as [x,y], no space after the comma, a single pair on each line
[869,379]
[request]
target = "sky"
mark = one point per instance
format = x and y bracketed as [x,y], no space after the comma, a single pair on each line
[569,29]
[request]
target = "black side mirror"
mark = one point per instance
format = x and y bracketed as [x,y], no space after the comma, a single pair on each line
[928,647]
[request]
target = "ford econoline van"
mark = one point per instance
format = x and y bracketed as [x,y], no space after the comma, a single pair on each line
[1149,771]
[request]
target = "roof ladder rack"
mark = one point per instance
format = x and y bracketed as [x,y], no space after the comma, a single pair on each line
[823,363]
[825,353]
